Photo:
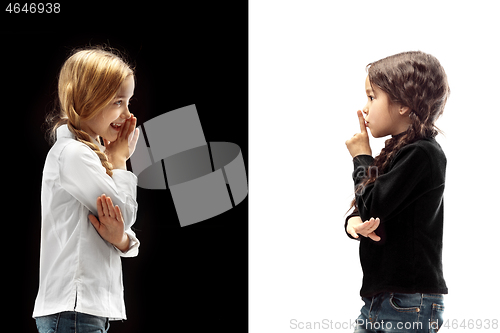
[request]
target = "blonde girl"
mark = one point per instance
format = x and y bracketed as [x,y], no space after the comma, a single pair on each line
[85,175]
[399,195]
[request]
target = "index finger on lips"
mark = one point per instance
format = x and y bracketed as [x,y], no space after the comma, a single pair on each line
[362,125]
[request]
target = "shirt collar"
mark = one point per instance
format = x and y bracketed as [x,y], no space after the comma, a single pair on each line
[64,132]
[98,144]
[397,136]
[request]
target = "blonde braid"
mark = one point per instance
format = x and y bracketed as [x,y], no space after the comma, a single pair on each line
[83,137]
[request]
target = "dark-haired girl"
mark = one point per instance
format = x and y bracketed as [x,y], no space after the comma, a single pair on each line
[399,195]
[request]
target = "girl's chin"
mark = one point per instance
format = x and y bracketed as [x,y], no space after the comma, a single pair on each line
[372,133]
[376,134]
[109,137]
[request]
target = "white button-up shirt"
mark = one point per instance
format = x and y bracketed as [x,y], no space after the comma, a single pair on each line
[80,271]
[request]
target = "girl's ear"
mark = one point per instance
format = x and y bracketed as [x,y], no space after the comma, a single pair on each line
[404,111]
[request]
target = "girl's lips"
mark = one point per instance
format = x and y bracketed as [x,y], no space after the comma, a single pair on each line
[116,127]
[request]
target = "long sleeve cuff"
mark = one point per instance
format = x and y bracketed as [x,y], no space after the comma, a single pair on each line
[133,247]
[361,165]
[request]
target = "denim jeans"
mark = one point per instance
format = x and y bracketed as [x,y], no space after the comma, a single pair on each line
[72,322]
[395,312]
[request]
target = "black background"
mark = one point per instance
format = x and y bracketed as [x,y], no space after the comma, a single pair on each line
[184,279]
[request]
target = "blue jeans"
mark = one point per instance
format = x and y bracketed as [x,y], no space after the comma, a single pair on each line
[395,312]
[72,322]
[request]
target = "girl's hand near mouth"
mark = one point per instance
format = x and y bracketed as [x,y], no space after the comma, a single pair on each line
[359,144]
[120,150]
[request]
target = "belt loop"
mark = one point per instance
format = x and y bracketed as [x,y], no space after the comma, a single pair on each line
[371,307]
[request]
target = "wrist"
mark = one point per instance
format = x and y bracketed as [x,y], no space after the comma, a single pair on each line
[123,245]
[354,221]
[118,162]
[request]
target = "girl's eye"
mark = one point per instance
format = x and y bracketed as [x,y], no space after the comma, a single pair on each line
[370,98]
[120,102]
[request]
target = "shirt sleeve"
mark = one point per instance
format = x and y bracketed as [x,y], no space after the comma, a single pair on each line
[84,177]
[408,177]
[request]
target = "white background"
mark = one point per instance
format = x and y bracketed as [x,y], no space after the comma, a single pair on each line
[307,71]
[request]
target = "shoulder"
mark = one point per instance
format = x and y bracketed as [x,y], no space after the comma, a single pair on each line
[431,146]
[431,149]
[425,152]
[423,148]
[77,152]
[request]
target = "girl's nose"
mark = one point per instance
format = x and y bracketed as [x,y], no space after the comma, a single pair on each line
[126,113]
[365,111]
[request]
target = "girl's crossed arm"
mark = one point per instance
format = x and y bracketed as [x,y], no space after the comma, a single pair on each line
[84,177]
[356,227]
[110,223]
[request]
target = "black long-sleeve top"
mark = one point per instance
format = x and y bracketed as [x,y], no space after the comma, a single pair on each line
[408,199]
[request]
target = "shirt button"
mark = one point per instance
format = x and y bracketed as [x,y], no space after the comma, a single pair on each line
[418,310]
